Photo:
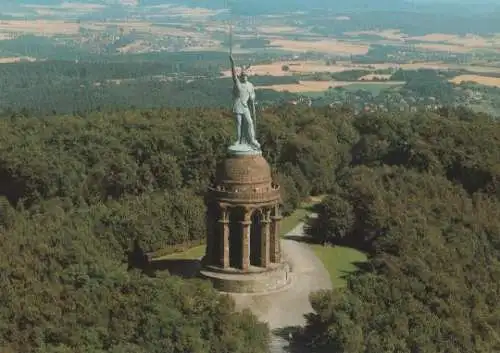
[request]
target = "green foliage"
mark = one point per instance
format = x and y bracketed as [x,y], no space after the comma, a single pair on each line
[64,291]
[335,220]
[82,195]
[83,198]
[422,198]
[187,79]
[427,83]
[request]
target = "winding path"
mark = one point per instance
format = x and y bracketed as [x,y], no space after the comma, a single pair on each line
[286,308]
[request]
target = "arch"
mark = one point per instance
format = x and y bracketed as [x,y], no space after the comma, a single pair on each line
[213,246]
[256,238]
[236,216]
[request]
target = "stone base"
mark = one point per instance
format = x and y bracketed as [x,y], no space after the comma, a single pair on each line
[256,280]
[243,149]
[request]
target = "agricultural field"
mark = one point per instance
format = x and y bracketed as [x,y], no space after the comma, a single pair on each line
[152,28]
[327,46]
[483,80]
[298,67]
[321,86]
[307,53]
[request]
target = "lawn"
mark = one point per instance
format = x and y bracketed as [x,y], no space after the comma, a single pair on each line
[339,261]
[299,215]
[190,254]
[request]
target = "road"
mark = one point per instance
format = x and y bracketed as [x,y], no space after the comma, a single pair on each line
[286,308]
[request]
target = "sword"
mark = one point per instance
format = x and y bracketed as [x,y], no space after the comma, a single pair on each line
[230,29]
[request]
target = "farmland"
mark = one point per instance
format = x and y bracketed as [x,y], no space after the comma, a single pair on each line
[483,80]
[320,86]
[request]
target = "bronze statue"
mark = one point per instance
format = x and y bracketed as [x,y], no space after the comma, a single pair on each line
[244,99]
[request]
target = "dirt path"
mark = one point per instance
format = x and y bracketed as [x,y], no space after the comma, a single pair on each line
[286,308]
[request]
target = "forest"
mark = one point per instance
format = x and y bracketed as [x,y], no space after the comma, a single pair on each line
[142,81]
[417,192]
[422,197]
[65,87]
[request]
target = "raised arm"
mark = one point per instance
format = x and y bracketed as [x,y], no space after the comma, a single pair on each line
[233,70]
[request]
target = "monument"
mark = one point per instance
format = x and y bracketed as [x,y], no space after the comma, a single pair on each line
[243,252]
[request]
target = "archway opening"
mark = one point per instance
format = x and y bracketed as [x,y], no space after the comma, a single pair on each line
[214,229]
[235,237]
[256,239]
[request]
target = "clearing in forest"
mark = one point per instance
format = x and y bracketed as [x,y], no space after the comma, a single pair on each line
[322,45]
[483,80]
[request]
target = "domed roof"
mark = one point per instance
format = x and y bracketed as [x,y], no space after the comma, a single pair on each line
[244,179]
[250,169]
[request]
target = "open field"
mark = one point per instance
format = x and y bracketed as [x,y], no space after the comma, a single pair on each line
[469,40]
[132,47]
[182,11]
[16,59]
[320,86]
[339,261]
[41,27]
[371,77]
[294,67]
[483,80]
[304,86]
[390,34]
[278,29]
[308,67]
[330,46]
[454,48]
[52,28]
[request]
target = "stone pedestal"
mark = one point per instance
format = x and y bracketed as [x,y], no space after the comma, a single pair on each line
[246,239]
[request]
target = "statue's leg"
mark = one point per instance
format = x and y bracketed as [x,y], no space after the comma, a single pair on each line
[251,130]
[238,128]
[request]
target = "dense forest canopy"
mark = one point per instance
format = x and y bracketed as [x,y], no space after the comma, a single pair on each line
[96,189]
[80,194]
[65,87]
[422,197]
[145,81]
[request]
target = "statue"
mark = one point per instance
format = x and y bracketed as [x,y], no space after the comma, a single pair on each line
[244,98]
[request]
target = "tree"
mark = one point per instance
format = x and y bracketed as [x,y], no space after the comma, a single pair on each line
[334,222]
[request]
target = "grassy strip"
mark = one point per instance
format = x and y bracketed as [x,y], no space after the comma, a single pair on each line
[339,261]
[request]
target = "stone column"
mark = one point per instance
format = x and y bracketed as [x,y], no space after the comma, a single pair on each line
[212,231]
[224,236]
[245,253]
[265,238]
[209,248]
[275,236]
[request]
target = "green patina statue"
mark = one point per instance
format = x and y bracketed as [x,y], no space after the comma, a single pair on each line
[244,108]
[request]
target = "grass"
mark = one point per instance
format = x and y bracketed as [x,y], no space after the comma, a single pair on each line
[190,254]
[338,261]
[297,216]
